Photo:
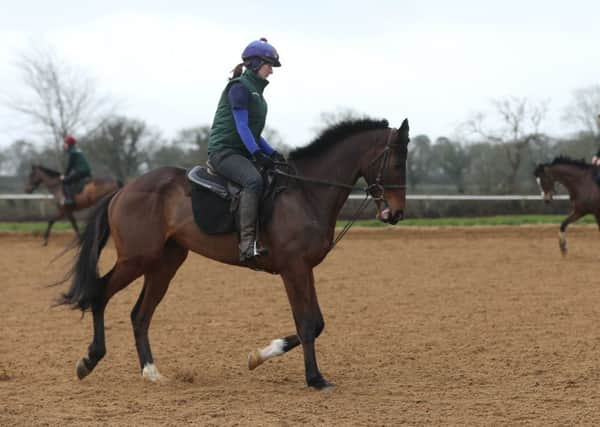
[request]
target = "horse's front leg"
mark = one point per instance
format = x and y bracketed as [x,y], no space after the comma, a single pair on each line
[300,288]
[49,227]
[277,347]
[562,236]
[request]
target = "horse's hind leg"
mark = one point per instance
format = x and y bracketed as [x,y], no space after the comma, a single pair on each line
[156,283]
[562,235]
[118,278]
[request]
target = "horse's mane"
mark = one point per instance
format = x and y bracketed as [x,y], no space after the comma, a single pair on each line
[47,171]
[336,133]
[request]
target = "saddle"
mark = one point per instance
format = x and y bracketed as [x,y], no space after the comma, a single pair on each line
[78,186]
[215,200]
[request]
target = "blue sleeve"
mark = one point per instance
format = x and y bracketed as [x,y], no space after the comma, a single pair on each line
[238,99]
[264,145]
[241,124]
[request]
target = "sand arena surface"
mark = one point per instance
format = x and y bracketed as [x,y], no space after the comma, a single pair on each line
[471,326]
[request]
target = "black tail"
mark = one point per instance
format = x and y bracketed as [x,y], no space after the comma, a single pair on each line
[85,290]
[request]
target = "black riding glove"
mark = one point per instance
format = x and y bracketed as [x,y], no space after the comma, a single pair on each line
[262,160]
[278,157]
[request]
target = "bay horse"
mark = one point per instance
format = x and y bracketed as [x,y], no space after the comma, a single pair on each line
[578,177]
[152,226]
[93,191]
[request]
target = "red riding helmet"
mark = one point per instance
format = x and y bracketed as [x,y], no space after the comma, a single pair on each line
[70,140]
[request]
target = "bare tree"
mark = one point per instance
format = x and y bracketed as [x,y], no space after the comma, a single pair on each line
[519,126]
[57,99]
[273,137]
[120,147]
[585,109]
[330,118]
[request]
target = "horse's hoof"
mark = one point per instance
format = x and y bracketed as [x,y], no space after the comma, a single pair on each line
[563,250]
[320,384]
[82,369]
[254,360]
[151,374]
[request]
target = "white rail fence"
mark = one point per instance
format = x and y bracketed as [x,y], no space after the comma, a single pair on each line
[359,196]
[46,205]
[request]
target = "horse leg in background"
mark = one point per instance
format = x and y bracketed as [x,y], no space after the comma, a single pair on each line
[276,348]
[562,236]
[156,283]
[597,216]
[300,289]
[121,275]
[51,222]
[73,222]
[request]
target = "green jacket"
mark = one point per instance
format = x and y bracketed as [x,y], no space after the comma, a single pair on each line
[223,134]
[77,162]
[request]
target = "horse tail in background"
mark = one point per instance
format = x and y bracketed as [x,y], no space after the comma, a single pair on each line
[85,290]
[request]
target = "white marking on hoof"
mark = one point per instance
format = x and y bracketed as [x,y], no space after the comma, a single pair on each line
[257,357]
[254,359]
[150,373]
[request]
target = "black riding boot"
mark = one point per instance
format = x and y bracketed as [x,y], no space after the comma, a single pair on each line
[249,249]
[68,201]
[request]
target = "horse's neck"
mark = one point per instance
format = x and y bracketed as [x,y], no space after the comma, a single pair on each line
[341,165]
[51,182]
[569,177]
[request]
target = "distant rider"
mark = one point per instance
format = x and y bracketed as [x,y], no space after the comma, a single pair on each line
[77,170]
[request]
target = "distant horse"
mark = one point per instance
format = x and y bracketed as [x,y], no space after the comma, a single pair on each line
[578,177]
[93,191]
[152,225]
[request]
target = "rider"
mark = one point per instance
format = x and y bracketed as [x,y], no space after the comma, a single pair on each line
[77,170]
[235,146]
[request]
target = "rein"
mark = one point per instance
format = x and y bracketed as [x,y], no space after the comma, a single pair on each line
[374,191]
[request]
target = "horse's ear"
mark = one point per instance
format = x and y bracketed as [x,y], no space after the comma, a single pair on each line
[403,130]
[404,125]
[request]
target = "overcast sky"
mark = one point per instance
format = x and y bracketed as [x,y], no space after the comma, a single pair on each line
[435,62]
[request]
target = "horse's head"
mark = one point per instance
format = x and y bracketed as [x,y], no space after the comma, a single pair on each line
[544,179]
[386,175]
[34,179]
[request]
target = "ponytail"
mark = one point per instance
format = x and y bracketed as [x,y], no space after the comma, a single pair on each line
[237,71]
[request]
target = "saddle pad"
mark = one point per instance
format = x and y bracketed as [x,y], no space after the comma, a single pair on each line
[212,212]
[201,176]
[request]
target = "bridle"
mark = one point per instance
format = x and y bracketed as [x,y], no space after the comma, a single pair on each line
[377,189]
[374,191]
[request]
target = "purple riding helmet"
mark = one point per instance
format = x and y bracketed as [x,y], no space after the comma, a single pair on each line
[258,52]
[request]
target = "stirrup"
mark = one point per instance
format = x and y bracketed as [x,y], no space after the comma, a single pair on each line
[253,252]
